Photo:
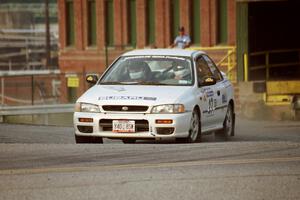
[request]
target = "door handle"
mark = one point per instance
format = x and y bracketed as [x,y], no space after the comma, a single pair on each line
[218,92]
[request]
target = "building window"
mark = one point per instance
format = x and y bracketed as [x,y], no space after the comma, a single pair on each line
[132,22]
[70,24]
[92,25]
[175,18]
[195,8]
[150,22]
[109,22]
[222,22]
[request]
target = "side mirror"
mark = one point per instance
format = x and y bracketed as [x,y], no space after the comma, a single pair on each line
[207,81]
[92,79]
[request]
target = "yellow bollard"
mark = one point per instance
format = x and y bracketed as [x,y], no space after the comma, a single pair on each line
[245,67]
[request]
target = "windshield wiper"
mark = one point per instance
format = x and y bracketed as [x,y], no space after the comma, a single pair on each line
[111,83]
[118,83]
[150,83]
[132,83]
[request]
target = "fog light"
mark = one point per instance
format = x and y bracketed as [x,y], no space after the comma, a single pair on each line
[85,129]
[164,121]
[89,120]
[165,131]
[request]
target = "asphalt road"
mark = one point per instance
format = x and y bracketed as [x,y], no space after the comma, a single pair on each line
[261,162]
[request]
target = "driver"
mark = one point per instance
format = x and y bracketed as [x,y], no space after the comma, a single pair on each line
[138,70]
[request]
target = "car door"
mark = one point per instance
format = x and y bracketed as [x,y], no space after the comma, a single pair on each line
[220,90]
[208,96]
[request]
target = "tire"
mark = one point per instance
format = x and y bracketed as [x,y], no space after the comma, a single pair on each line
[128,141]
[228,125]
[194,130]
[88,140]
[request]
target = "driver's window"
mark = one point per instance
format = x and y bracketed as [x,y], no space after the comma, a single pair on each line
[202,69]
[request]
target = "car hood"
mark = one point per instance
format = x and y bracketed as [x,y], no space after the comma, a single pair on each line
[134,95]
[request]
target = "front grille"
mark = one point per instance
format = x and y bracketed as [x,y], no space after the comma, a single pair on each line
[141,125]
[125,108]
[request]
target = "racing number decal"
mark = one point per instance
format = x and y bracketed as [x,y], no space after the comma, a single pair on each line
[212,103]
[210,106]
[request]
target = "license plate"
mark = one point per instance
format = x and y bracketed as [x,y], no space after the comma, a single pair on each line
[123,126]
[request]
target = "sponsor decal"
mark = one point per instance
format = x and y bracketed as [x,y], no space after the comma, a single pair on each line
[163,57]
[108,98]
[210,93]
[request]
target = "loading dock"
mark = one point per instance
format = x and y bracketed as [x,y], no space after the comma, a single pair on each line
[268,48]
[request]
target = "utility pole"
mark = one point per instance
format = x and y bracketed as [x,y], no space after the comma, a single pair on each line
[47,34]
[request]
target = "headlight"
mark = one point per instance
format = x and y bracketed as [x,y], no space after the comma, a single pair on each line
[86,107]
[168,108]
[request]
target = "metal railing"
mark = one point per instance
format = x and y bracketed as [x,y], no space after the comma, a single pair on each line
[36,109]
[38,87]
[229,61]
[27,87]
[278,70]
[265,60]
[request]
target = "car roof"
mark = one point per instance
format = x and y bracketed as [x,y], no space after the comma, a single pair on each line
[163,52]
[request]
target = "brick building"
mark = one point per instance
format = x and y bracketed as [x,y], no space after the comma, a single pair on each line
[87,26]
[94,32]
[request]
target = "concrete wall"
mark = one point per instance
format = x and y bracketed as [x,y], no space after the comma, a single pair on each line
[63,119]
[253,106]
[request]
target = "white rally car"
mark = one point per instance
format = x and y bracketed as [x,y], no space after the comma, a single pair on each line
[156,94]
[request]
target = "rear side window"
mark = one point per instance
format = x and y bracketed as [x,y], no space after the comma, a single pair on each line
[213,68]
[202,68]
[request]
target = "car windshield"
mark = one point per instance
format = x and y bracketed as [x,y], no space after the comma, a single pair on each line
[150,70]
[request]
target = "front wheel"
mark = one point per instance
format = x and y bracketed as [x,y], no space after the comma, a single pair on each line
[194,130]
[88,140]
[228,125]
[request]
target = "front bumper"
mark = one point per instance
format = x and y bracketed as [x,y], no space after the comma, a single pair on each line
[181,124]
